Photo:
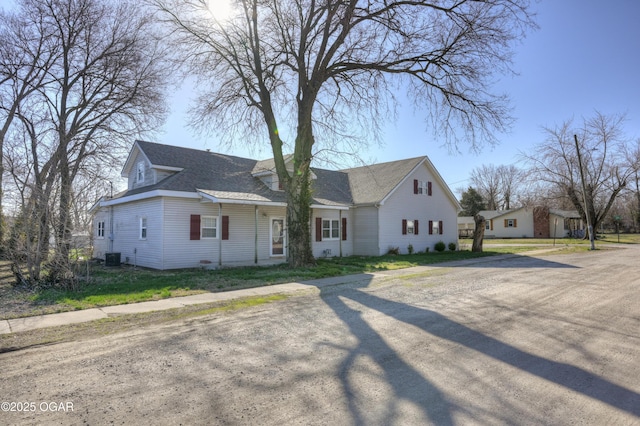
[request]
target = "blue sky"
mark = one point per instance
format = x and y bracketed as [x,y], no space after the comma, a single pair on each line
[584,57]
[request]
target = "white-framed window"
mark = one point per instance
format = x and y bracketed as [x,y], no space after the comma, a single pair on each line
[422,187]
[511,223]
[436,227]
[140,172]
[487,226]
[100,229]
[411,227]
[209,227]
[330,229]
[143,228]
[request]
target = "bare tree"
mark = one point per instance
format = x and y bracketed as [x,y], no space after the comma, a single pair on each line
[606,170]
[105,86]
[25,58]
[487,181]
[319,72]
[512,180]
[499,186]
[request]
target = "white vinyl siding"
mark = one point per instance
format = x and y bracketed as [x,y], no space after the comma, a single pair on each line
[140,174]
[239,249]
[126,229]
[101,244]
[403,204]
[334,245]
[365,231]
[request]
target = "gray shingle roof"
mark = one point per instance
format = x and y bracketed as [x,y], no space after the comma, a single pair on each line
[226,176]
[203,170]
[371,184]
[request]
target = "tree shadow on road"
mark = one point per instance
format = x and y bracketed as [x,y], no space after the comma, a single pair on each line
[410,385]
[406,383]
[509,261]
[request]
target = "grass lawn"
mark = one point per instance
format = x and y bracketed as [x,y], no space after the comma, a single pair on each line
[113,286]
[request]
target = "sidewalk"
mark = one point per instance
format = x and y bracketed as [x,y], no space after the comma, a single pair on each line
[51,320]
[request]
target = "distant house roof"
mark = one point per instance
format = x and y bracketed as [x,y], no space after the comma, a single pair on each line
[492,214]
[567,214]
[226,177]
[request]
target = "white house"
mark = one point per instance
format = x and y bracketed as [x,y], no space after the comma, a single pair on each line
[526,222]
[186,208]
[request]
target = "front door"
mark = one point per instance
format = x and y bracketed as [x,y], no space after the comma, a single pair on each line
[277,236]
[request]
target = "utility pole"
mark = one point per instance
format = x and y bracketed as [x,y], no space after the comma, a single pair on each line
[584,196]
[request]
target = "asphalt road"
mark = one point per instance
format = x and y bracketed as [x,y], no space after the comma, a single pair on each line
[552,340]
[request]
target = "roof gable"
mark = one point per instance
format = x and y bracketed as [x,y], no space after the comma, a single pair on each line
[372,184]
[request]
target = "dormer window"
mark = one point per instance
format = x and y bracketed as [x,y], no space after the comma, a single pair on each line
[140,173]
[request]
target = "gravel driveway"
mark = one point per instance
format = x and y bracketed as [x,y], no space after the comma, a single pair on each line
[547,340]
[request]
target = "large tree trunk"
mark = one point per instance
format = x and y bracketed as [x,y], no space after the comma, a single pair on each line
[298,218]
[478,233]
[299,193]
[60,270]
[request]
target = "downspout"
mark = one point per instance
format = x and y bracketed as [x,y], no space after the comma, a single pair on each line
[377,205]
[255,255]
[111,236]
[311,237]
[341,231]
[220,235]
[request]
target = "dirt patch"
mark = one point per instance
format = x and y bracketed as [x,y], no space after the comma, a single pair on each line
[124,323]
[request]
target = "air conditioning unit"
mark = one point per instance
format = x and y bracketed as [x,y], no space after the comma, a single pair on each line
[112,259]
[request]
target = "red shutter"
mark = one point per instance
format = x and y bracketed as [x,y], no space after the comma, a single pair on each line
[430,227]
[415,226]
[344,229]
[440,225]
[415,186]
[428,188]
[225,227]
[404,226]
[515,223]
[318,229]
[194,230]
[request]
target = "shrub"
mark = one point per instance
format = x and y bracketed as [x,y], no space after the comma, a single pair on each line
[453,246]
[394,250]
[440,246]
[410,248]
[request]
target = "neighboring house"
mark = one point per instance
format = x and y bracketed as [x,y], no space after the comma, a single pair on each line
[186,208]
[526,222]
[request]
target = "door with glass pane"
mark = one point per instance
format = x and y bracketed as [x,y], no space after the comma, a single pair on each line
[277,236]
